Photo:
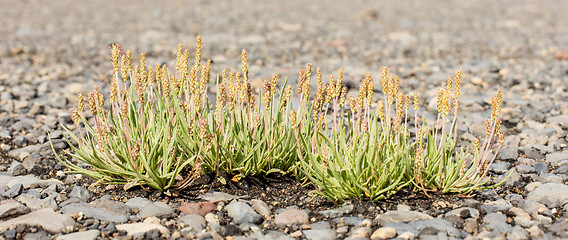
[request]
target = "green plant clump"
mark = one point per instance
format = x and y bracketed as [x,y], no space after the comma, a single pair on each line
[160,129]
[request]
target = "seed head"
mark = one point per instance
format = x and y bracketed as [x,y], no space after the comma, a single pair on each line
[244,63]
[450,83]
[115,53]
[381,110]
[415,102]
[342,97]
[293,118]
[339,81]
[458,83]
[93,104]
[75,116]
[418,158]
[179,57]
[113,91]
[440,100]
[352,104]
[400,104]
[496,105]
[487,128]
[197,51]
[330,93]
[370,89]
[501,139]
[287,95]
[142,62]
[318,76]
[406,102]
[81,102]
[129,61]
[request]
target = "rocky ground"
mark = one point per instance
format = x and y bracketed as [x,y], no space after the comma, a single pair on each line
[52,50]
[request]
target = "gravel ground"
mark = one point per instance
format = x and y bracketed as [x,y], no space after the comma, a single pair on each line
[52,50]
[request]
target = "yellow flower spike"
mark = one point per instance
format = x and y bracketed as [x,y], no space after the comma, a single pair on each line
[339,82]
[381,110]
[128,61]
[197,51]
[384,80]
[487,128]
[75,116]
[244,64]
[406,102]
[330,94]
[352,104]
[113,92]
[115,53]
[179,57]
[457,84]
[81,102]
[274,84]
[318,76]
[370,90]
[301,79]
[123,68]
[293,118]
[149,78]
[400,104]
[446,103]
[142,62]
[415,102]
[440,100]
[450,83]
[501,139]
[342,97]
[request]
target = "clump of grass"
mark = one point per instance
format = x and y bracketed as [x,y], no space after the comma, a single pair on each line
[160,129]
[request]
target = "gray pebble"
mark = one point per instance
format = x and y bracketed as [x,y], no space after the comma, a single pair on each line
[242,213]
[17,169]
[14,191]
[80,193]
[193,221]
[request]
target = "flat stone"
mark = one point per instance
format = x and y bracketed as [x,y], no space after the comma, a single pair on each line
[137,202]
[291,216]
[360,233]
[384,233]
[105,210]
[141,228]
[242,213]
[556,157]
[401,216]
[500,205]
[438,224]
[261,207]
[26,181]
[560,228]
[17,168]
[215,197]
[464,212]
[194,221]
[350,221]
[36,203]
[156,209]
[45,218]
[80,193]
[85,235]
[338,212]
[14,191]
[11,208]
[320,234]
[550,194]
